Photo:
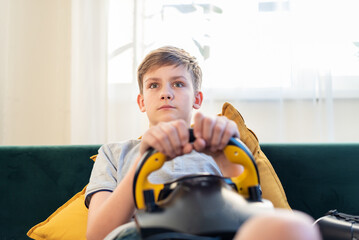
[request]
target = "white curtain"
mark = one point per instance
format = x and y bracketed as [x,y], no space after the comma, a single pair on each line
[89,98]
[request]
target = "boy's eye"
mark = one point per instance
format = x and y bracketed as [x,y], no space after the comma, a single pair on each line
[153,85]
[178,84]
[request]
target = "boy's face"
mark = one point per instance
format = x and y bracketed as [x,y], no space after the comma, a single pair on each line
[168,95]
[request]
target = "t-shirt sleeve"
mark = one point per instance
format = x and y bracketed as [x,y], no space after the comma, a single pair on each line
[103,175]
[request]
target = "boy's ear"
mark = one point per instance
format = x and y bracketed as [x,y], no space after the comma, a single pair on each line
[198,98]
[141,103]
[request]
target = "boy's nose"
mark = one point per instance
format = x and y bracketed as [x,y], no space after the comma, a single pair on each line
[166,96]
[166,93]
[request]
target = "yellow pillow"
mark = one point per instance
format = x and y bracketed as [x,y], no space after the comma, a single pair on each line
[68,222]
[271,186]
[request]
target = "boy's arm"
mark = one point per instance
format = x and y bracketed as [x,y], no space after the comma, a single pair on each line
[108,210]
[212,135]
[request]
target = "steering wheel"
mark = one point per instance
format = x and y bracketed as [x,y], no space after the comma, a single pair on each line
[146,194]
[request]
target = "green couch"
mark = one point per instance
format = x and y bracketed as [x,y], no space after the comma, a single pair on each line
[36,180]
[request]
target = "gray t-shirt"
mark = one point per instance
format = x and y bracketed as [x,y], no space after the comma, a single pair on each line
[114,161]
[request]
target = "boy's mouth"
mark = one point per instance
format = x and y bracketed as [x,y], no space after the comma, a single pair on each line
[164,107]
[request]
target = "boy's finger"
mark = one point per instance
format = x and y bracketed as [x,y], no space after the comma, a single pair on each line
[187,148]
[171,133]
[199,145]
[148,141]
[217,136]
[162,143]
[182,131]
[197,128]
[207,129]
[230,131]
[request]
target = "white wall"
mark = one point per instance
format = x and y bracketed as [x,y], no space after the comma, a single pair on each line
[35,62]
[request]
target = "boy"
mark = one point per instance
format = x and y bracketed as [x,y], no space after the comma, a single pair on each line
[169,81]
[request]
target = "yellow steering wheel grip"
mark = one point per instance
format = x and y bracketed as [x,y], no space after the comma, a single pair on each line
[237,152]
[145,192]
[152,161]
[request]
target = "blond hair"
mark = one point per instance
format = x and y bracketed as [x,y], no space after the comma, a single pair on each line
[168,56]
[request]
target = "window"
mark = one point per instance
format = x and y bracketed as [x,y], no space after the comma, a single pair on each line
[247,49]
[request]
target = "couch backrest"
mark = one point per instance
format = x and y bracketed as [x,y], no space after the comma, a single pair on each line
[36,180]
[318,177]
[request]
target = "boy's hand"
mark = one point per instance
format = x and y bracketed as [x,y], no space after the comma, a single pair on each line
[169,138]
[213,134]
